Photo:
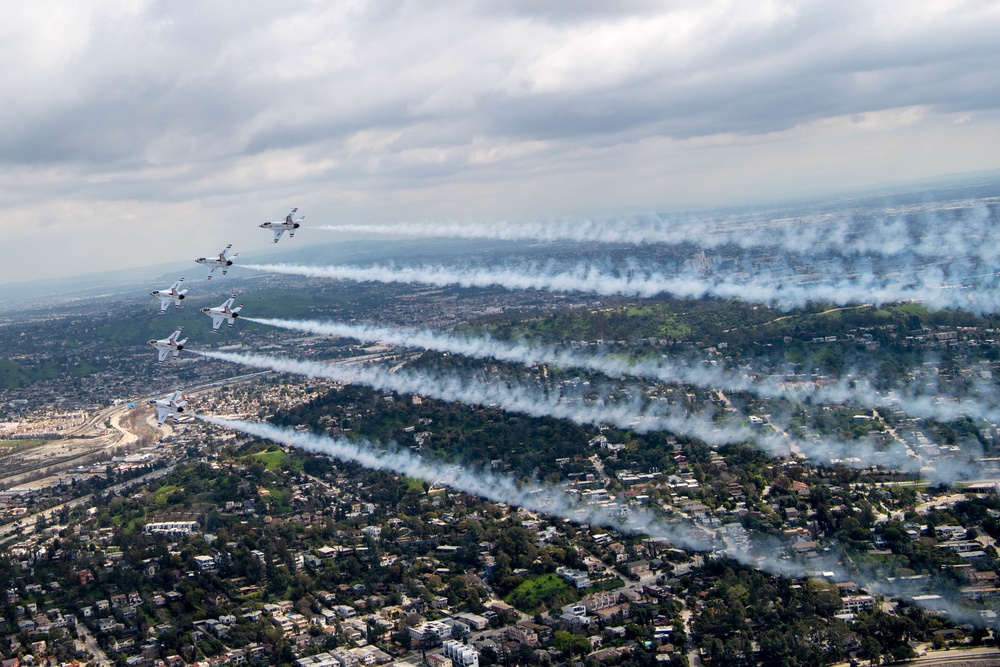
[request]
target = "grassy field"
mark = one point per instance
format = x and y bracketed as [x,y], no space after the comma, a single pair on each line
[275,460]
[271,459]
[164,491]
[547,589]
[413,484]
[10,445]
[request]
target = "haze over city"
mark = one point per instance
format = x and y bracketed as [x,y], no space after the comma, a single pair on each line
[548,334]
[141,132]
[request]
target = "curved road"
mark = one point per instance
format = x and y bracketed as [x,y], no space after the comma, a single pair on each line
[113,413]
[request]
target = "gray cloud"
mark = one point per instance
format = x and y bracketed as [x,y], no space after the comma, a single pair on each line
[382,111]
[249,77]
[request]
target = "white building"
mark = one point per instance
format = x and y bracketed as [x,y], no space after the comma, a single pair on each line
[318,660]
[858,603]
[460,654]
[171,528]
[576,614]
[430,630]
[205,563]
[578,578]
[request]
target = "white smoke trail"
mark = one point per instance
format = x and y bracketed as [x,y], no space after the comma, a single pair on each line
[857,391]
[929,230]
[506,395]
[785,292]
[629,415]
[547,499]
[554,502]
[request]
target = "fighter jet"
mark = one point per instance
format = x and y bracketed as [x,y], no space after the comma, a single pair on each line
[223,312]
[170,294]
[279,227]
[219,260]
[169,344]
[168,407]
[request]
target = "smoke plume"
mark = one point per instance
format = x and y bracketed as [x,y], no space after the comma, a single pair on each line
[859,391]
[629,414]
[933,287]
[930,230]
[503,393]
[547,499]
[759,552]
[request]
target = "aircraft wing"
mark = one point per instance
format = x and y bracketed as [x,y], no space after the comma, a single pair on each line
[217,321]
[163,353]
[164,303]
[211,270]
[162,412]
[278,231]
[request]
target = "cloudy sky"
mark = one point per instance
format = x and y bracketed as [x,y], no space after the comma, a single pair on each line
[137,132]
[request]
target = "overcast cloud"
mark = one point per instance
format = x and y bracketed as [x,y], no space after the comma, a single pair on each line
[125,119]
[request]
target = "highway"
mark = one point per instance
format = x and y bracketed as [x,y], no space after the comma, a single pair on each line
[8,530]
[30,519]
[979,656]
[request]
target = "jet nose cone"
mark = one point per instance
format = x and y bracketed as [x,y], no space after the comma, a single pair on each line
[152,342]
[205,310]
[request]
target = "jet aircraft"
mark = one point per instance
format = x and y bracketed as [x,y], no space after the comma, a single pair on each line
[217,261]
[172,293]
[168,407]
[279,227]
[170,344]
[223,312]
